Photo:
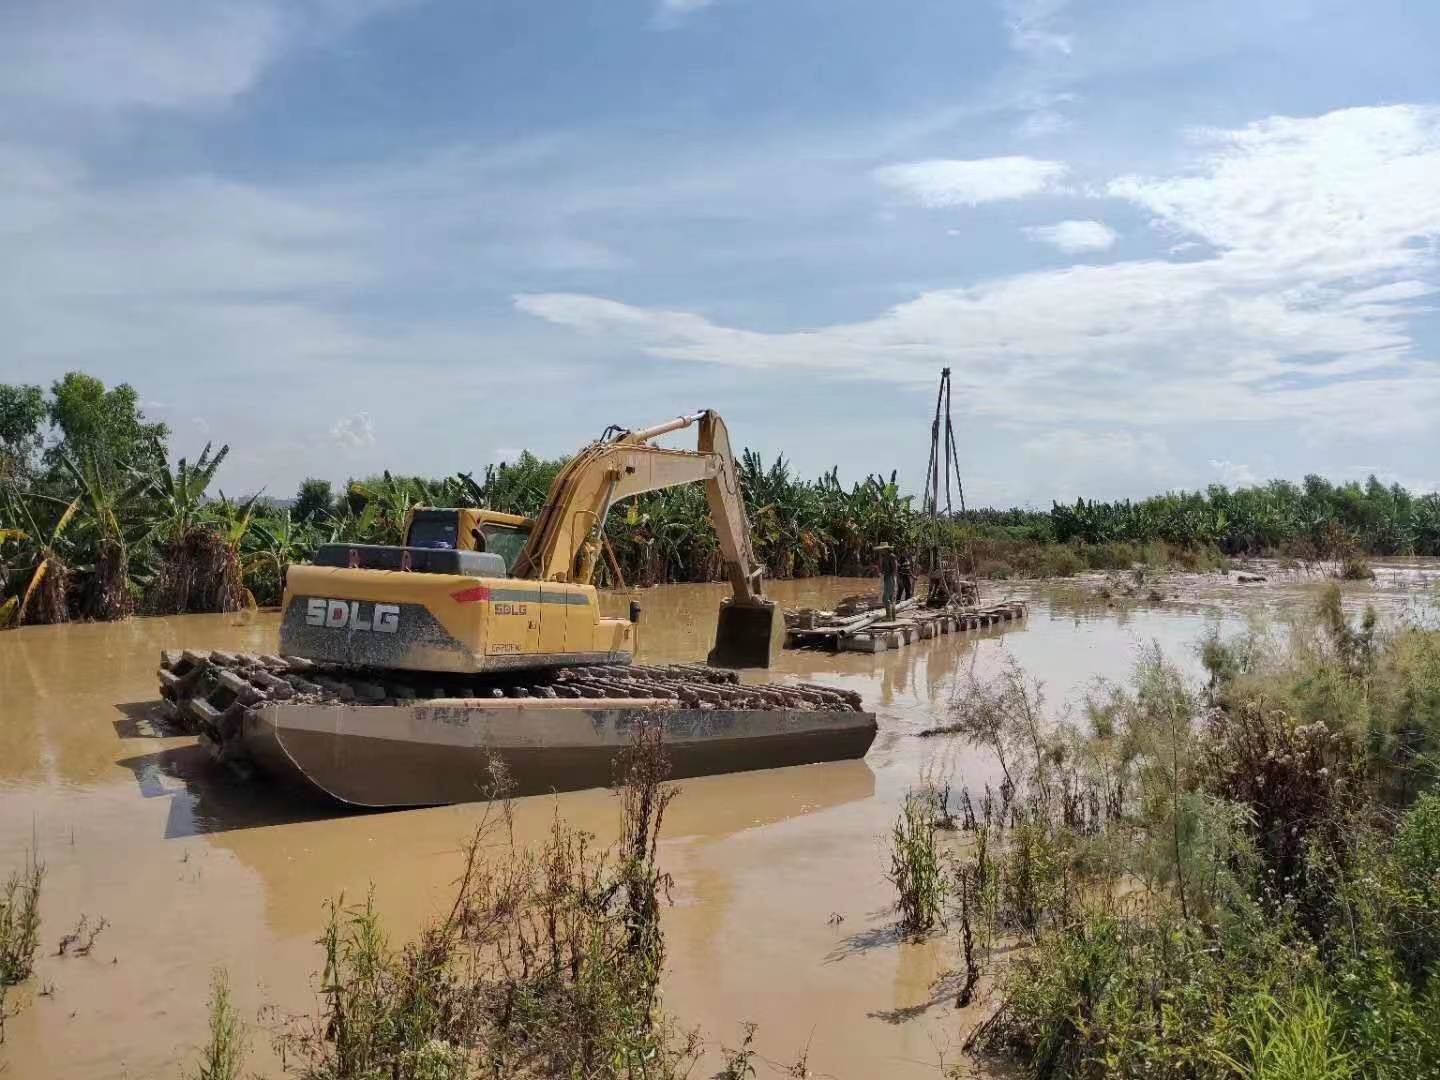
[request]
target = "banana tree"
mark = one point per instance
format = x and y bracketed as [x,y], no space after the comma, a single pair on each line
[113,517]
[48,584]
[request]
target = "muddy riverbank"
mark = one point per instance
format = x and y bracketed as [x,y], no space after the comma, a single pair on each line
[781,908]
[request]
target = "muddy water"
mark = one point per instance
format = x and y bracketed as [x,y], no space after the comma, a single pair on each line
[781,911]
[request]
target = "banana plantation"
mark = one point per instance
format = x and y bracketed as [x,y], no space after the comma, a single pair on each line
[1314,519]
[96,521]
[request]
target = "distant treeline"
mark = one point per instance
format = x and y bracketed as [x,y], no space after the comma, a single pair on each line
[97,521]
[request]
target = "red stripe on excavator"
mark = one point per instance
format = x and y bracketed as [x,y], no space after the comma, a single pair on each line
[469,596]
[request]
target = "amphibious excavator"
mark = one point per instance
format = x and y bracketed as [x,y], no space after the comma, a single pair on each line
[479,591]
[403,672]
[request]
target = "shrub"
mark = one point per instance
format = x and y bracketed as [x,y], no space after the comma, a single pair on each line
[915,863]
[1258,895]
[224,1055]
[548,964]
[20,922]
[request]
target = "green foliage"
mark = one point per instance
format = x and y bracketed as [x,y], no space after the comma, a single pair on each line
[1417,849]
[1297,1039]
[1312,520]
[224,1055]
[104,425]
[915,869]
[22,424]
[19,931]
[20,922]
[740,1062]
[1248,883]
[547,964]
[313,501]
[95,521]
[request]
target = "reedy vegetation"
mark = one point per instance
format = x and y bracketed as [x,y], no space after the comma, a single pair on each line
[19,929]
[1240,879]
[547,964]
[97,522]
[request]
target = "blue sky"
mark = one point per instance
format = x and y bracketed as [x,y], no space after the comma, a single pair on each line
[1160,244]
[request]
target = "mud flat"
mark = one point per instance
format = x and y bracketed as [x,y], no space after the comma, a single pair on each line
[781,911]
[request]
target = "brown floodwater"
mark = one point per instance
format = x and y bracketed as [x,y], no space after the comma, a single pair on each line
[782,912]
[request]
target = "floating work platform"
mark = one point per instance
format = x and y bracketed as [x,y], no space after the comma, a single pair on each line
[873,632]
[375,738]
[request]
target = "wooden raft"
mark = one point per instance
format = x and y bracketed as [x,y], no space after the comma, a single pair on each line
[872,632]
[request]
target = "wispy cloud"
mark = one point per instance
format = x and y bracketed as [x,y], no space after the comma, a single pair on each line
[1075,237]
[669,13]
[154,53]
[1301,316]
[943,182]
[1036,27]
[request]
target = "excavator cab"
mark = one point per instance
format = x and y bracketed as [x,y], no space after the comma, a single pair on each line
[465,529]
[747,634]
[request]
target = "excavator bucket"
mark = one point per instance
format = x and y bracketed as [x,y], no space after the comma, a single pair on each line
[748,635]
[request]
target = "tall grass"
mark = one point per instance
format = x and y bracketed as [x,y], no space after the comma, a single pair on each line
[547,964]
[915,868]
[223,1057]
[1237,879]
[20,922]
[19,930]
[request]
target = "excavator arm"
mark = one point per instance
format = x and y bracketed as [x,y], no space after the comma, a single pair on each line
[565,541]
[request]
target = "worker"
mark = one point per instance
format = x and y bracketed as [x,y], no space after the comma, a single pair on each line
[888,578]
[907,577]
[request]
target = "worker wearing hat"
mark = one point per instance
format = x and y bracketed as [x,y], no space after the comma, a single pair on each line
[889,572]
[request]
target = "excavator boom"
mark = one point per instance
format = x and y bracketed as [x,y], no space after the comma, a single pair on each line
[565,541]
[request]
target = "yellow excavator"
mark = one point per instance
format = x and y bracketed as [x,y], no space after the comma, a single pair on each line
[475,591]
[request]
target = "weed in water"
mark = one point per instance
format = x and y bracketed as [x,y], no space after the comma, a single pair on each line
[1354,568]
[224,1055]
[915,863]
[81,940]
[20,922]
[740,1061]
[966,888]
[548,963]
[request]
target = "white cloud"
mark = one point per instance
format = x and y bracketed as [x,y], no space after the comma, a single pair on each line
[354,432]
[1235,474]
[1074,237]
[942,182]
[1301,316]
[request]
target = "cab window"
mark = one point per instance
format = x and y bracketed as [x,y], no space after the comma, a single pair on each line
[434,531]
[505,541]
